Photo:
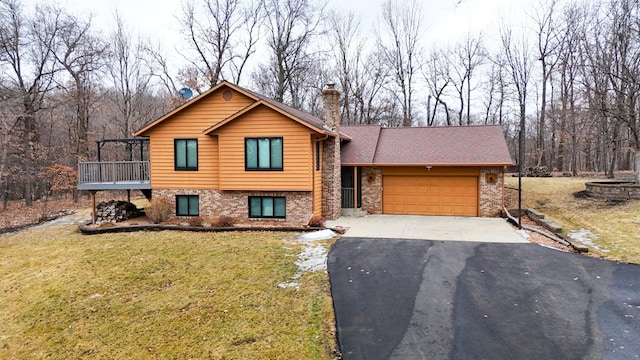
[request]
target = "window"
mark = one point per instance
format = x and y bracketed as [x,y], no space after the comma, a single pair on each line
[263,153]
[267,207]
[187,205]
[186,154]
[317,155]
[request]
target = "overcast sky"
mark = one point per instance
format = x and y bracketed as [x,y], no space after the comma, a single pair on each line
[446,19]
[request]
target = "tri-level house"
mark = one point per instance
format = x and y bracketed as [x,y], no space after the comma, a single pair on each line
[233,152]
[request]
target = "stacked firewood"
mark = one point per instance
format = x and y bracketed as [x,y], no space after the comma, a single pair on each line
[537,171]
[116,211]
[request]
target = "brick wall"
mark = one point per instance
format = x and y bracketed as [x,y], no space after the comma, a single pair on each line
[215,203]
[331,179]
[371,194]
[491,194]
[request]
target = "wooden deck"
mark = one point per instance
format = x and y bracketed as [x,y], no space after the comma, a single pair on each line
[114,175]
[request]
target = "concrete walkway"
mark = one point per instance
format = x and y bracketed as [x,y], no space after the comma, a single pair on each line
[495,230]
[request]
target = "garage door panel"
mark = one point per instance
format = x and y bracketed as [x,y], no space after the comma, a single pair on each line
[430,195]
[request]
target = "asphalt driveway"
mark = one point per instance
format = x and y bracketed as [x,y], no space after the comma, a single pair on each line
[429,228]
[416,299]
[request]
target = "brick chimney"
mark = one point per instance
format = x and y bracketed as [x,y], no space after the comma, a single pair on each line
[331,107]
[331,171]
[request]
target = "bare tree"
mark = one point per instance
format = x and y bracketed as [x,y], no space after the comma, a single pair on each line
[222,35]
[496,92]
[437,74]
[28,62]
[348,50]
[130,78]
[517,57]
[549,42]
[81,54]
[465,60]
[399,40]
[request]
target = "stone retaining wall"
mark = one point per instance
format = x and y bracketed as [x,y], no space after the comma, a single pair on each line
[613,190]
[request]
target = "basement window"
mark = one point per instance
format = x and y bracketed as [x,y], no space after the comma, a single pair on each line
[267,207]
[187,205]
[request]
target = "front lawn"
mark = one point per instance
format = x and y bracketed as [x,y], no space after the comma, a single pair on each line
[175,295]
[615,225]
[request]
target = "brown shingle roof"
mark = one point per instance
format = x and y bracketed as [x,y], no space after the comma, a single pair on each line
[451,145]
[362,148]
[304,116]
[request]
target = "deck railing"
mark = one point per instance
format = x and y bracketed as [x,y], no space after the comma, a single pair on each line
[113,172]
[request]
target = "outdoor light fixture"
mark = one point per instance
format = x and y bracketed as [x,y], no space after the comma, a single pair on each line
[428,168]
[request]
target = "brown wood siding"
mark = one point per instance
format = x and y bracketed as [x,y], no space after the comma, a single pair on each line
[264,122]
[188,124]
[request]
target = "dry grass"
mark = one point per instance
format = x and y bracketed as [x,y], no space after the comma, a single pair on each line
[159,295]
[616,225]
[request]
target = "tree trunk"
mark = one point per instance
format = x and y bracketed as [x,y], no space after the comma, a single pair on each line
[637,166]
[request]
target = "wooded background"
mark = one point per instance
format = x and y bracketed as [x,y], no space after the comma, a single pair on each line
[569,77]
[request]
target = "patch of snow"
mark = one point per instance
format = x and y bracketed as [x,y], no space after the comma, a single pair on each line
[317,235]
[95,296]
[285,285]
[586,237]
[313,256]
[523,233]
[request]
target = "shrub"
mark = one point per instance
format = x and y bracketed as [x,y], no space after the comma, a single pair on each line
[317,221]
[224,221]
[195,221]
[160,210]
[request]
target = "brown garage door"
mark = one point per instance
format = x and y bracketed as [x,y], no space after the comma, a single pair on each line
[430,195]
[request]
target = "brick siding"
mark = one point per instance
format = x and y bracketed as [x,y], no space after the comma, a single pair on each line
[331,176]
[331,179]
[214,203]
[371,194]
[491,195]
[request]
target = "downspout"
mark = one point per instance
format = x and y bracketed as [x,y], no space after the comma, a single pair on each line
[316,141]
[504,168]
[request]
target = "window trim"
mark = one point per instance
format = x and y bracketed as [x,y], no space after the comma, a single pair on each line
[175,155]
[267,217]
[188,197]
[270,168]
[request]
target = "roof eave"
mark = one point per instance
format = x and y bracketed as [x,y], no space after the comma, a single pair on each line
[427,164]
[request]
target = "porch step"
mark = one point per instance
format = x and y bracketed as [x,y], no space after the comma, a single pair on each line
[353,212]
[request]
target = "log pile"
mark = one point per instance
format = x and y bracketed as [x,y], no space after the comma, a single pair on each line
[537,171]
[115,211]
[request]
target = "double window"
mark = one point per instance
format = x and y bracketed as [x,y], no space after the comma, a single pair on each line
[187,205]
[267,207]
[263,153]
[186,154]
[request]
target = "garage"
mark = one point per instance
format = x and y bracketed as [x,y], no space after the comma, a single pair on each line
[430,195]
